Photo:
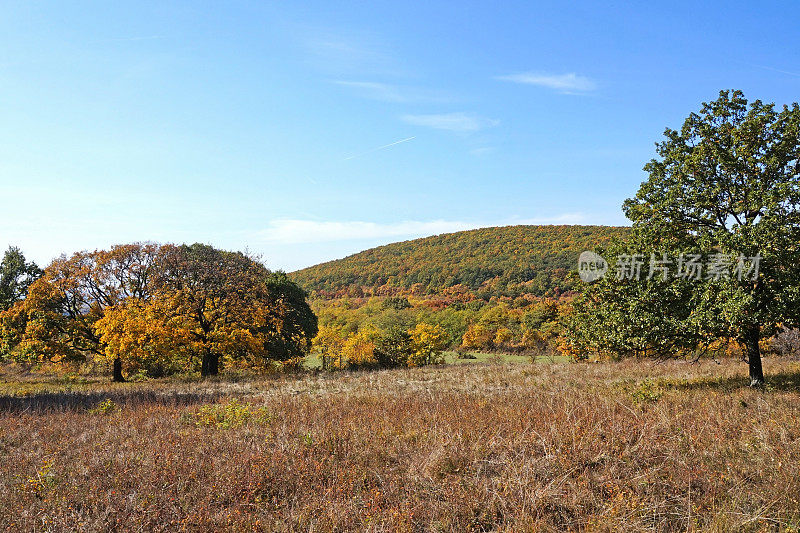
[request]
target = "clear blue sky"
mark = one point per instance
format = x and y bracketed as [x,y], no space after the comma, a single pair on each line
[309,132]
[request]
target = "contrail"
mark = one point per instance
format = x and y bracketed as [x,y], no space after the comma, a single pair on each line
[380,148]
[765,67]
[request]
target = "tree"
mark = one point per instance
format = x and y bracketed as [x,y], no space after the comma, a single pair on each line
[234,307]
[477,337]
[358,351]
[298,323]
[329,344]
[16,275]
[726,185]
[427,343]
[159,309]
[142,337]
[56,322]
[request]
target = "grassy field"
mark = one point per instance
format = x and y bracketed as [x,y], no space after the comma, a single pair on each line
[469,447]
[451,358]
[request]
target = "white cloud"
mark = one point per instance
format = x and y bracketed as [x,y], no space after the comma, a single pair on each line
[560,82]
[296,231]
[393,93]
[374,90]
[458,122]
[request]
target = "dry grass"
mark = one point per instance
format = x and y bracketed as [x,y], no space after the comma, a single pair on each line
[630,446]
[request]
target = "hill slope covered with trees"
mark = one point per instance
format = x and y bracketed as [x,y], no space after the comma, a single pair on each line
[507,261]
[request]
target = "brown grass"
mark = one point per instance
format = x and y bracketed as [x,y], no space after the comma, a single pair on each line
[488,447]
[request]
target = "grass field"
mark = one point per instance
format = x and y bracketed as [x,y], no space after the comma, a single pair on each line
[468,447]
[451,358]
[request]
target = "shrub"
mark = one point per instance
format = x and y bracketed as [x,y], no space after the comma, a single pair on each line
[229,415]
[106,407]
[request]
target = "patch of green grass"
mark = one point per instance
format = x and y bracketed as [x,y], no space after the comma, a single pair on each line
[452,358]
[313,362]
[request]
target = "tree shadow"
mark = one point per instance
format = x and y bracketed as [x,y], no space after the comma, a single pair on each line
[785,381]
[45,402]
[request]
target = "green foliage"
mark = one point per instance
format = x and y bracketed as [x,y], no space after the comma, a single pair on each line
[106,407]
[396,302]
[16,275]
[646,392]
[299,323]
[727,182]
[503,261]
[230,415]
[393,348]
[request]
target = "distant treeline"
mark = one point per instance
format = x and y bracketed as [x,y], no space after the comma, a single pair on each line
[508,261]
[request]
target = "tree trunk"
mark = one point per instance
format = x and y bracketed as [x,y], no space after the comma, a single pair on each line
[210,364]
[118,378]
[751,338]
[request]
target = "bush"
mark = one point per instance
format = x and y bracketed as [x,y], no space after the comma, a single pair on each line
[229,415]
[106,407]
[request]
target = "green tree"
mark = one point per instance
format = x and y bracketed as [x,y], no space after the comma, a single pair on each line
[16,275]
[298,322]
[727,183]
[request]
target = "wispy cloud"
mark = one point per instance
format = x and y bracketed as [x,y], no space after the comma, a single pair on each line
[386,92]
[129,39]
[568,83]
[294,231]
[458,122]
[346,53]
[482,150]
[375,90]
[380,148]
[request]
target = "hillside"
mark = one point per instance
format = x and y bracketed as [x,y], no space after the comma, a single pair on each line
[508,261]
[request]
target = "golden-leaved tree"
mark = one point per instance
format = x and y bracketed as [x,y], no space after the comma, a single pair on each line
[56,322]
[160,309]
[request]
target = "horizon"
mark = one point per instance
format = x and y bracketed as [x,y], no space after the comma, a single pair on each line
[306,134]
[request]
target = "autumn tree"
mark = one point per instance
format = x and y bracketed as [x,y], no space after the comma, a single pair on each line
[55,323]
[234,307]
[427,342]
[159,309]
[329,344]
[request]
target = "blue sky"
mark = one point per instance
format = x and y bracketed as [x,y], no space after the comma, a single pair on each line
[308,131]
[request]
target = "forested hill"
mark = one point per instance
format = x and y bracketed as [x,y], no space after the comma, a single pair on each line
[502,261]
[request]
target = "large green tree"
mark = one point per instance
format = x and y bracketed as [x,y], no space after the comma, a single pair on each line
[725,186]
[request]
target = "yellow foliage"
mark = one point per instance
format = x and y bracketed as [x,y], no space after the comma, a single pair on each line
[145,338]
[428,342]
[502,336]
[477,336]
[359,350]
[328,344]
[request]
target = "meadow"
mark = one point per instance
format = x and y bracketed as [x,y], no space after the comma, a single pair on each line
[489,446]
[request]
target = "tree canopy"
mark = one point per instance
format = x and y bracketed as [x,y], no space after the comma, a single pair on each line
[159,309]
[16,275]
[724,188]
